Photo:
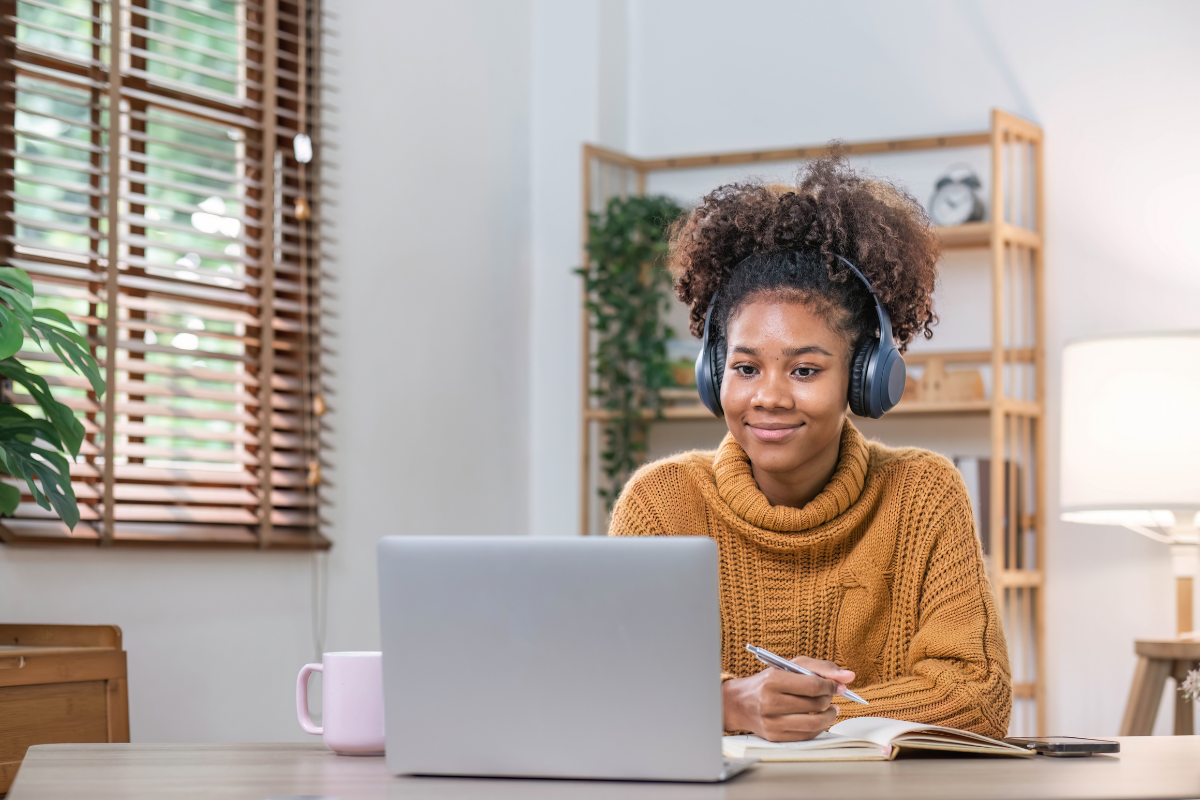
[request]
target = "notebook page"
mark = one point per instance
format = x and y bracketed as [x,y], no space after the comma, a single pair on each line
[891,731]
[820,741]
[879,730]
[742,745]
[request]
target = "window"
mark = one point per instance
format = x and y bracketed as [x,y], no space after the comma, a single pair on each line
[210,431]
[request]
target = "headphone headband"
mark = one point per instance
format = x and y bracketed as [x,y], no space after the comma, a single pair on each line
[861,277]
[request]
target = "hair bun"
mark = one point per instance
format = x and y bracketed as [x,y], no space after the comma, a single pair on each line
[831,209]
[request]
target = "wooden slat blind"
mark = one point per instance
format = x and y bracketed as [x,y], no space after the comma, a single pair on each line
[180,162]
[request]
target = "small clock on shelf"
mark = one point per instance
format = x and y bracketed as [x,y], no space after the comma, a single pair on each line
[956,197]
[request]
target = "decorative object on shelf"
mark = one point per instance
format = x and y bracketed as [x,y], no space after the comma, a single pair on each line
[956,197]
[35,450]
[682,355]
[1125,463]
[627,296]
[683,373]
[937,385]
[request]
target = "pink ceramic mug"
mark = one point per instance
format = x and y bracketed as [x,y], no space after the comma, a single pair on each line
[352,702]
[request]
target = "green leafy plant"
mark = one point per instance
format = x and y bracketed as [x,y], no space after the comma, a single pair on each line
[34,449]
[628,291]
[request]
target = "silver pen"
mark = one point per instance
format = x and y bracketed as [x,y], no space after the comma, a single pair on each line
[772,660]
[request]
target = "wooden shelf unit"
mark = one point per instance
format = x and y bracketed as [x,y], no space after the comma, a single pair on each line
[1015,411]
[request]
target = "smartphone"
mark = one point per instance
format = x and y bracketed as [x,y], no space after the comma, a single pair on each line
[1067,746]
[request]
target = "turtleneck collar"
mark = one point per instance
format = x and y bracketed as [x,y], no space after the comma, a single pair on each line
[737,487]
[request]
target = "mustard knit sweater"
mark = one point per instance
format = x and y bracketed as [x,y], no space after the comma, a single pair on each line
[881,573]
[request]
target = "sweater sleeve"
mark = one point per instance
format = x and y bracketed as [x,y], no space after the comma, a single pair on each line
[660,499]
[631,517]
[956,670]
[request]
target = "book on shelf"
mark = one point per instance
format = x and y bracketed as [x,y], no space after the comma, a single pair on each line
[977,475]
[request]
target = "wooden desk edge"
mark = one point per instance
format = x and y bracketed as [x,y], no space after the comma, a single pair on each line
[1159,767]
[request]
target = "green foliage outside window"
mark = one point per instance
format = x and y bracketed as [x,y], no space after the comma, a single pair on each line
[628,292]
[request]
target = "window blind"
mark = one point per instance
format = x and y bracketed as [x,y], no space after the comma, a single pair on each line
[153,191]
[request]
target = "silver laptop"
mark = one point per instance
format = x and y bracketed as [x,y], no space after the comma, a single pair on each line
[552,657]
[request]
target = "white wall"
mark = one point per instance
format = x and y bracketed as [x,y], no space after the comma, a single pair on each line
[432,249]
[433,293]
[580,94]
[566,112]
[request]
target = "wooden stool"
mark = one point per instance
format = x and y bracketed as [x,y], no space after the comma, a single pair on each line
[1159,659]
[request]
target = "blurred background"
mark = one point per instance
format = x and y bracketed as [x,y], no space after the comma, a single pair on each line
[453,135]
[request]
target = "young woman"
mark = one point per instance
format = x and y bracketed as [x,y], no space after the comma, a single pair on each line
[857,560]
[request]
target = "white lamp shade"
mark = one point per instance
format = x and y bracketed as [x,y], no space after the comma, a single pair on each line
[1131,430]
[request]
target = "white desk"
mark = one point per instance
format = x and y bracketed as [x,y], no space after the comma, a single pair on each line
[1148,767]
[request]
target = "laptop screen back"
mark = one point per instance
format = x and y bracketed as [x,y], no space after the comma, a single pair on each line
[551,657]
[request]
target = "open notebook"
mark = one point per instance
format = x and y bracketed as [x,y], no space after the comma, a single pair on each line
[869,739]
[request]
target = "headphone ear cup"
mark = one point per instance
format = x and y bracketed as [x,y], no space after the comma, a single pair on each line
[708,382]
[892,375]
[710,366]
[859,394]
[718,366]
[704,385]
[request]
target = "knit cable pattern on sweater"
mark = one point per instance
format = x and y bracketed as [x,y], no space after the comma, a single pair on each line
[881,572]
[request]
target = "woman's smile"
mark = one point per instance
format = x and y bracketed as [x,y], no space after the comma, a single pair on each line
[773,431]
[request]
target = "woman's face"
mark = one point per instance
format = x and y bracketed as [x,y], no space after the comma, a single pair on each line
[785,384]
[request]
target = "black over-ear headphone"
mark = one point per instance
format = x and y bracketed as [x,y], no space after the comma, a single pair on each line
[877,370]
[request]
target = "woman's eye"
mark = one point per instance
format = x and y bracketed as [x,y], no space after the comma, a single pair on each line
[744,369]
[804,372]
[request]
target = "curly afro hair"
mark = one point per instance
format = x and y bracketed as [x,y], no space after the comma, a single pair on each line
[748,239]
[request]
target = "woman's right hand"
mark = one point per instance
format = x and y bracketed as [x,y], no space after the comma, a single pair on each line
[783,706]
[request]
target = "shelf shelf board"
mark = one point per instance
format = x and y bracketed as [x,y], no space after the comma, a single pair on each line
[979,234]
[916,407]
[681,412]
[969,234]
[982,138]
[695,411]
[982,357]
[1019,578]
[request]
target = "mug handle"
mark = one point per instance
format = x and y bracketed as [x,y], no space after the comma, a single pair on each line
[302,699]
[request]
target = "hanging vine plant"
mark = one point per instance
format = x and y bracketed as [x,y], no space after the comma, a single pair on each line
[628,291]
